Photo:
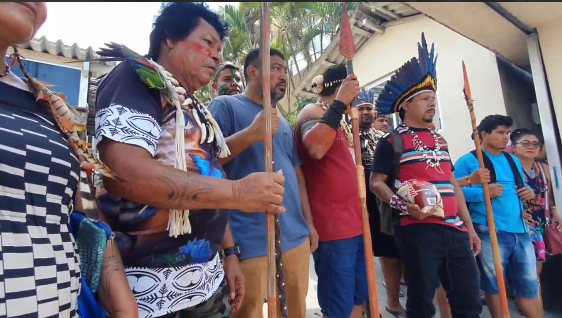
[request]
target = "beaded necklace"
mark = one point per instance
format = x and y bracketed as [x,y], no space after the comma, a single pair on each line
[5,72]
[431,157]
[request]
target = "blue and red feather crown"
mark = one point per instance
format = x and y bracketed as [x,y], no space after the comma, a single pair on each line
[365,97]
[415,76]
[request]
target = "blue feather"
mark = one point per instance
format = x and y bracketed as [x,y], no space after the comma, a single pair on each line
[410,75]
[365,96]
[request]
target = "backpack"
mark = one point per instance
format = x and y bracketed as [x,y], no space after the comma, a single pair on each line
[388,215]
[490,166]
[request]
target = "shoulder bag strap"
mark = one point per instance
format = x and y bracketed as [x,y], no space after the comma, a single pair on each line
[488,165]
[397,144]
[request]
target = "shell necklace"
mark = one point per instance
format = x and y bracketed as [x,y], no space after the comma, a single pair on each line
[177,96]
[431,157]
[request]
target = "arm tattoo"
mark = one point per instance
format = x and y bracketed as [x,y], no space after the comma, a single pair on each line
[111,268]
[183,188]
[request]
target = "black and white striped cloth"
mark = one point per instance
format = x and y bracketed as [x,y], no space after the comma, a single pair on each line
[39,264]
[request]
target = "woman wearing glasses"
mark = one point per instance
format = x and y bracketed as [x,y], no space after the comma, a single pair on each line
[526,146]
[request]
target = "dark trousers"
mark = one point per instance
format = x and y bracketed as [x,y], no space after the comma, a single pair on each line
[434,254]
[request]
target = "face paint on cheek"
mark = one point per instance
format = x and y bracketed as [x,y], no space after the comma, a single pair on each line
[199,47]
[233,76]
[223,90]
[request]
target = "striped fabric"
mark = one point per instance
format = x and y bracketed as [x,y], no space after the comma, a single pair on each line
[413,166]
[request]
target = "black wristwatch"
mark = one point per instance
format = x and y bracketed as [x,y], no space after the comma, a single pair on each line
[231,251]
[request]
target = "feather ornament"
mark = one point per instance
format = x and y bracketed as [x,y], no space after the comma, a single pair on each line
[415,76]
[365,97]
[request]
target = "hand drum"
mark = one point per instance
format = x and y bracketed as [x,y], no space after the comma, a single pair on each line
[424,194]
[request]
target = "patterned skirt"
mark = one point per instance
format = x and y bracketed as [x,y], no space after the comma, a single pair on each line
[163,291]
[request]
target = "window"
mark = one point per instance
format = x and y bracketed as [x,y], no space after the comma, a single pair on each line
[66,80]
[394,119]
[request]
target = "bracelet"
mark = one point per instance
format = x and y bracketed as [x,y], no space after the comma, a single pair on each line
[397,203]
[468,180]
[333,115]
[339,106]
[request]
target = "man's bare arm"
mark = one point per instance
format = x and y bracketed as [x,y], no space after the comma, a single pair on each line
[317,137]
[462,182]
[464,215]
[152,183]
[238,143]
[377,184]
[227,239]
[114,291]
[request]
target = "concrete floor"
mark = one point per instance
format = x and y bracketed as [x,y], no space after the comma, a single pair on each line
[313,310]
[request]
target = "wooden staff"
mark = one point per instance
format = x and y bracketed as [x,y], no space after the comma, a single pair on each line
[347,49]
[489,210]
[274,250]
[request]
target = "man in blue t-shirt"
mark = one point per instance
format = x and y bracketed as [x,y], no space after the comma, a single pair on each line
[516,247]
[242,119]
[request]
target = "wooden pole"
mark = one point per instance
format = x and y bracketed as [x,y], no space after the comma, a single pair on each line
[275,275]
[489,210]
[347,49]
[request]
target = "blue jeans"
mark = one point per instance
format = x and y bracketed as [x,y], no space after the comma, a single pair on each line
[518,261]
[342,276]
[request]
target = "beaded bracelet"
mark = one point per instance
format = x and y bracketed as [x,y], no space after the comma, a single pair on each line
[396,202]
[468,180]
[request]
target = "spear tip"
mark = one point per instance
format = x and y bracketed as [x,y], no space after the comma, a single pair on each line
[467,92]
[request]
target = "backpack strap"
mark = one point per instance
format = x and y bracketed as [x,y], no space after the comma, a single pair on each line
[388,216]
[398,145]
[516,174]
[488,165]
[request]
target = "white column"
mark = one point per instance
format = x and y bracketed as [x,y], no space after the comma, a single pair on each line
[83,95]
[545,112]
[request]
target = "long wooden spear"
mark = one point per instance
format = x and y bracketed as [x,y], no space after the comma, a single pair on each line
[274,249]
[347,49]
[488,200]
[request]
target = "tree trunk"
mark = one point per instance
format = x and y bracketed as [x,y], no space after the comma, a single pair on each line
[322,40]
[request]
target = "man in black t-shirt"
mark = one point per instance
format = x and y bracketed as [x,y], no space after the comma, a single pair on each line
[384,246]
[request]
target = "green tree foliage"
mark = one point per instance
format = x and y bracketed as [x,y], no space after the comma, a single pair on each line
[300,30]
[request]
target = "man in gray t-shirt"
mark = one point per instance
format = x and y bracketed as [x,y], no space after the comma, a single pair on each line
[242,121]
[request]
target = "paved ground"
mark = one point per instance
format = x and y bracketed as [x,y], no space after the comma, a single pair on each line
[313,310]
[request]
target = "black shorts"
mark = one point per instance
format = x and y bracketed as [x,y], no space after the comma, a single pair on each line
[384,245]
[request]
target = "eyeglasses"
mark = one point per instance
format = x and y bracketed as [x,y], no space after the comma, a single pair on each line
[529,144]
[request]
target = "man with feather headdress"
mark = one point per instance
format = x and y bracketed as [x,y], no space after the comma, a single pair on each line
[153,132]
[384,246]
[433,248]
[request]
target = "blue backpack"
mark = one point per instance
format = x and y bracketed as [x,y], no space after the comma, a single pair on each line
[91,236]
